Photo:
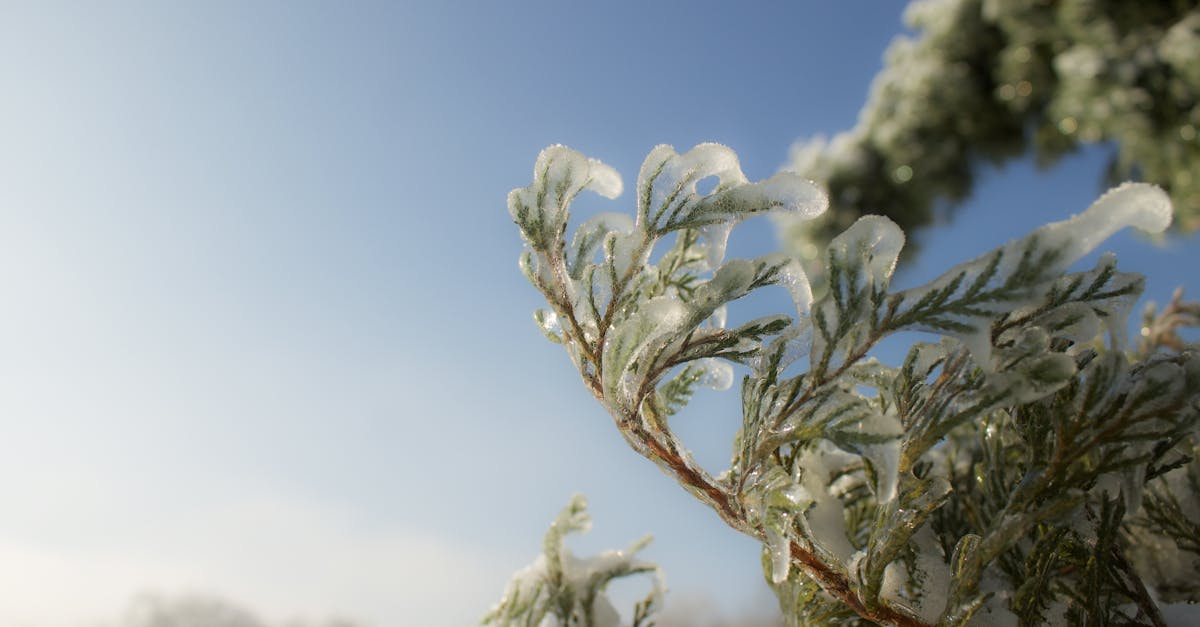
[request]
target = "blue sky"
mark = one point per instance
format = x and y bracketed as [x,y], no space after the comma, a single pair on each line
[264,336]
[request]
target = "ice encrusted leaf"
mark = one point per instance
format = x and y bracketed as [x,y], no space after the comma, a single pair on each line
[1108,293]
[964,301]
[589,237]
[668,198]
[859,264]
[667,180]
[559,175]
[739,277]
[634,345]
[855,425]
[791,276]
[906,533]
[1075,322]
[822,515]
[788,347]
[1028,370]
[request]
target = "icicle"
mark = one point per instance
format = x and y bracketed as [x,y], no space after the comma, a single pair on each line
[1133,482]
[793,278]
[824,521]
[718,318]
[716,238]
[780,550]
[885,463]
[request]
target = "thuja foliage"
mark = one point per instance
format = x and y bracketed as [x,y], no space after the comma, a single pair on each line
[987,80]
[1022,465]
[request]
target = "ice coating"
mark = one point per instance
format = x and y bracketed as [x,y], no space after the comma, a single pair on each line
[730,282]
[548,321]
[1157,386]
[718,375]
[734,277]
[885,461]
[1076,322]
[779,548]
[932,572]
[824,520]
[928,355]
[669,178]
[884,457]
[718,318]
[559,175]
[537,591]
[796,340]
[1139,205]
[668,198]
[793,278]
[873,242]
[786,192]
[622,250]
[591,235]
[1118,307]
[855,425]
[636,340]
[716,239]
[877,239]
[669,170]
[995,612]
[1056,246]
[563,165]
[1156,556]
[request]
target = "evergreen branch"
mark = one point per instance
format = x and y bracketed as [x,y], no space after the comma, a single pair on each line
[852,471]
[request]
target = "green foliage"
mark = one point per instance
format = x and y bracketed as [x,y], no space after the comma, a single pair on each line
[995,475]
[985,81]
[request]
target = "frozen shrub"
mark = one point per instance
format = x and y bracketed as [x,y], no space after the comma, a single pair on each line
[1013,471]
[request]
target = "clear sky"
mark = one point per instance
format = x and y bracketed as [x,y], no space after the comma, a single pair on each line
[262,333]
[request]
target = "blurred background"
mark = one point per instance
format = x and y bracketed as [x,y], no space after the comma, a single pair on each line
[265,353]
